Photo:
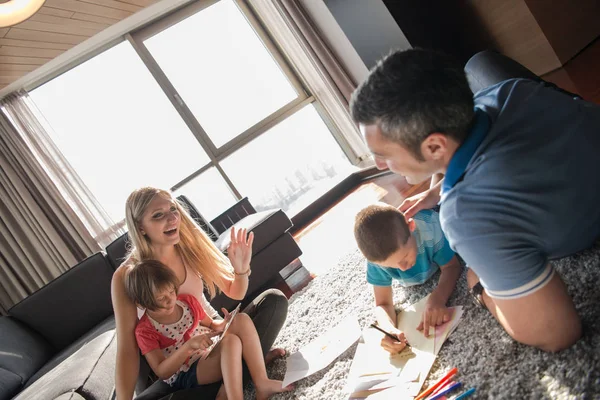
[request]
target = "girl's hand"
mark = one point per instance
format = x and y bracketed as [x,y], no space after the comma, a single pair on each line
[436,313]
[219,325]
[240,250]
[201,342]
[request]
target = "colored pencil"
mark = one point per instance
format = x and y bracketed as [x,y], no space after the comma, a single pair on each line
[387,333]
[439,383]
[465,394]
[444,392]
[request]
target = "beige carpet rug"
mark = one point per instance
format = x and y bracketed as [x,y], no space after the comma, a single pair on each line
[484,354]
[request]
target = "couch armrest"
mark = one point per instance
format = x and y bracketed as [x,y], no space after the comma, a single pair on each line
[22,353]
[267,226]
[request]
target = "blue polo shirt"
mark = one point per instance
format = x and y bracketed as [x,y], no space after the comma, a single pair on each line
[433,251]
[524,187]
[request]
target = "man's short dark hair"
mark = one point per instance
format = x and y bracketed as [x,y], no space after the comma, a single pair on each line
[379,231]
[413,93]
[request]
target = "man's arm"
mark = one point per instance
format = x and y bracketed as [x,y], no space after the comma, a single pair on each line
[435,179]
[546,318]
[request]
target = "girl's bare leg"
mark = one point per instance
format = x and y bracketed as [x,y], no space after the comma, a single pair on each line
[231,366]
[243,327]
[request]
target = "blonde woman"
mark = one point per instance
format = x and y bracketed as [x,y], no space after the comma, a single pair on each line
[161,229]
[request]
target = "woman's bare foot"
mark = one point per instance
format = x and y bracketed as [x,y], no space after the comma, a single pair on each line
[269,387]
[274,354]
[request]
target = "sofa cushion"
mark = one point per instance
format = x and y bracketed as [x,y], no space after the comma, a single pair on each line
[69,396]
[10,384]
[70,305]
[76,371]
[105,326]
[267,227]
[22,351]
[116,252]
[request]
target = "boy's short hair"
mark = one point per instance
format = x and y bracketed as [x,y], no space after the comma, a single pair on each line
[145,278]
[380,230]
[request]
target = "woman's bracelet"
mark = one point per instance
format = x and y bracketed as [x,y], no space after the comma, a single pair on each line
[247,272]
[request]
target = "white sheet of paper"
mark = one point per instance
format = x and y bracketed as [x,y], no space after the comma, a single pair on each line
[416,368]
[443,331]
[322,351]
[217,339]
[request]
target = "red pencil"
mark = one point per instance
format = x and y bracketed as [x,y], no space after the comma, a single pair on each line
[439,383]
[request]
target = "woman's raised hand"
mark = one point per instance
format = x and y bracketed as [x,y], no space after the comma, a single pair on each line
[240,250]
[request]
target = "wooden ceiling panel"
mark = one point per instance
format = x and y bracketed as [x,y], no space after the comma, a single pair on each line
[89,8]
[45,10]
[34,45]
[50,19]
[56,27]
[39,36]
[94,18]
[12,69]
[29,52]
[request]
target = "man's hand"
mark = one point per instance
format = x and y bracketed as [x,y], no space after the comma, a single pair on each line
[436,313]
[422,201]
[394,346]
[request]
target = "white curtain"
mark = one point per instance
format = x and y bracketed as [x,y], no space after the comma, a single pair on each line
[31,125]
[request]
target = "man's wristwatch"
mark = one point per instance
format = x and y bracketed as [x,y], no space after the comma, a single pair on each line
[477,294]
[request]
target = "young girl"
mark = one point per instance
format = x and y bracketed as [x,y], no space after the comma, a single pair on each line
[175,336]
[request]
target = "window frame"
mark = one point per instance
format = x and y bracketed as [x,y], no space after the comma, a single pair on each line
[218,154]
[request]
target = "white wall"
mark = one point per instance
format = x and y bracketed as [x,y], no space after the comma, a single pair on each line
[369,27]
[336,39]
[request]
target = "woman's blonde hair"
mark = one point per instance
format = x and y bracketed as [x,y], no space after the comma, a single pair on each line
[196,249]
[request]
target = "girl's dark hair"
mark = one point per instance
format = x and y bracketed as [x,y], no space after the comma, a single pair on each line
[146,278]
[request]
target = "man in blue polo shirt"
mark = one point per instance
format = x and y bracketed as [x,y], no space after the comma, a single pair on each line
[521,182]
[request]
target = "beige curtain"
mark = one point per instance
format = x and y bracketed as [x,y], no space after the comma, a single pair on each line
[41,229]
[296,36]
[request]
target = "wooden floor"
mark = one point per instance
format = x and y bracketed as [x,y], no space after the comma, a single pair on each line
[330,236]
[581,75]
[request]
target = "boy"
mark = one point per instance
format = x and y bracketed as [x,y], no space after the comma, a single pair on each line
[410,252]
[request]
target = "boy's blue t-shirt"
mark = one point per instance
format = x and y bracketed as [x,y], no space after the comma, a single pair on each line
[433,251]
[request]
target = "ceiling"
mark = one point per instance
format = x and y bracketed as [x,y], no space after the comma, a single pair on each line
[58,26]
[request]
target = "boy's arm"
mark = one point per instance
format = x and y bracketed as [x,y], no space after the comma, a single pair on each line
[448,277]
[384,307]
[386,318]
[436,312]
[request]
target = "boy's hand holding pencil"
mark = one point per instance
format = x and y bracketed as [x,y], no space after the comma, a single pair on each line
[393,340]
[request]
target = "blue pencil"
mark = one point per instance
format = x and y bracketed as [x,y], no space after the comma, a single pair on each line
[450,388]
[466,394]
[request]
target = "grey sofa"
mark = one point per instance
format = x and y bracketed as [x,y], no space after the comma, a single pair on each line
[60,342]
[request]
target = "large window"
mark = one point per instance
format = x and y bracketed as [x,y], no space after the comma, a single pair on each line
[199,102]
[115,126]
